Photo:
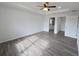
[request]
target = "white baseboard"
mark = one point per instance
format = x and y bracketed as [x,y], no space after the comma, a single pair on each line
[23,35]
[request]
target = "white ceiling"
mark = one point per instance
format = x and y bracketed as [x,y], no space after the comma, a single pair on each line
[33,6]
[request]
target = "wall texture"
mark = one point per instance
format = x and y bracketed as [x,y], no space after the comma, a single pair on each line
[62,23]
[78,35]
[57,26]
[78,29]
[71,26]
[46,24]
[15,23]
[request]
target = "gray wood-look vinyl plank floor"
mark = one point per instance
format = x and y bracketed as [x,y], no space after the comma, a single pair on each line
[40,44]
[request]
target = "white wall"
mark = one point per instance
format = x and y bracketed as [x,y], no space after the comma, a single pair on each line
[71,26]
[62,23]
[15,23]
[57,26]
[46,24]
[78,36]
[78,29]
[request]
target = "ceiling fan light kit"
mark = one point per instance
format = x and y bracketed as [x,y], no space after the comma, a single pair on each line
[45,9]
[46,6]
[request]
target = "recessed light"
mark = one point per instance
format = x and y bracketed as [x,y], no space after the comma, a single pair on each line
[59,7]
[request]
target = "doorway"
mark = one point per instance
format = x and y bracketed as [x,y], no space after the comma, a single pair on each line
[51,24]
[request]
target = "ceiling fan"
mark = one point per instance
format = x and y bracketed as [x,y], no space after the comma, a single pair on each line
[46,6]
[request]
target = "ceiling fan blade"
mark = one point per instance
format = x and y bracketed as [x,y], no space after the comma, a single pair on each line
[40,6]
[51,6]
[46,2]
[48,9]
